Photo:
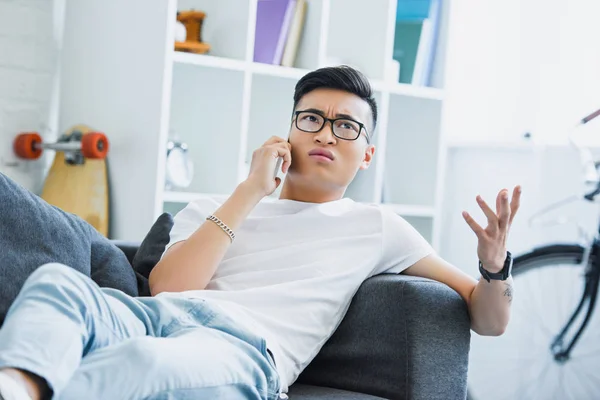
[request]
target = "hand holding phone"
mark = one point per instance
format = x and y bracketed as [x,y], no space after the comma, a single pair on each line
[273,156]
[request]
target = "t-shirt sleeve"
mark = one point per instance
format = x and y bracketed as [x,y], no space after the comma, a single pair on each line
[186,222]
[402,244]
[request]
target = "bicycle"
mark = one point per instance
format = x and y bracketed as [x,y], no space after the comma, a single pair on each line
[552,341]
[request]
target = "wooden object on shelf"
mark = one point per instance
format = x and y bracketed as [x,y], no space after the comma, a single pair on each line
[193,21]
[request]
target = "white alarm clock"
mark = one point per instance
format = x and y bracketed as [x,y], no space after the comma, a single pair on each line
[180,169]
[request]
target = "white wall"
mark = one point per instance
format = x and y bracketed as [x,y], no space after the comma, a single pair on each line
[521,65]
[516,66]
[29,43]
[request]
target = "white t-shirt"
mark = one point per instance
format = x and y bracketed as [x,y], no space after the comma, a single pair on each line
[294,267]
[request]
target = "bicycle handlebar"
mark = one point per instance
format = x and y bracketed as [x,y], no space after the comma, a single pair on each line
[592,172]
[590,117]
[591,195]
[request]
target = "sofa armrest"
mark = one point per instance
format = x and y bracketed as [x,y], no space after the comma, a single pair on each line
[403,337]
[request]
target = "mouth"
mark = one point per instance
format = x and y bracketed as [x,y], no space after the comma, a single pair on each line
[321,155]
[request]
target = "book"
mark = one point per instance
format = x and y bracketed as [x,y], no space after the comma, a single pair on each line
[295,34]
[427,45]
[415,41]
[285,30]
[406,45]
[273,18]
[423,52]
[412,10]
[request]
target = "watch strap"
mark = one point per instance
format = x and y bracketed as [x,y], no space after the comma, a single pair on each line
[502,275]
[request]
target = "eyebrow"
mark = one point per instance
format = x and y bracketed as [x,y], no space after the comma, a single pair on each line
[321,113]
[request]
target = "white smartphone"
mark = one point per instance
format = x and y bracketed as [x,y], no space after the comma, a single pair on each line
[277,167]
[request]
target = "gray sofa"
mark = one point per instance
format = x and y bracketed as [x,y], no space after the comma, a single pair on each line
[402,338]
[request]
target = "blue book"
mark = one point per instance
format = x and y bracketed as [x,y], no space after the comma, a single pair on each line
[415,40]
[412,10]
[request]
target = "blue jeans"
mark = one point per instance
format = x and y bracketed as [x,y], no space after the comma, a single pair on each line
[93,343]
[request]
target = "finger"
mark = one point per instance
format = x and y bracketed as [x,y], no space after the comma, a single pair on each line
[503,209]
[287,158]
[473,224]
[489,213]
[515,203]
[283,151]
[277,182]
[273,140]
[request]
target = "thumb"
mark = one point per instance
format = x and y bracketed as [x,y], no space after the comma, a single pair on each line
[277,182]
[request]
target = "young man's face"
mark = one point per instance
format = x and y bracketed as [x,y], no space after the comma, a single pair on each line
[348,155]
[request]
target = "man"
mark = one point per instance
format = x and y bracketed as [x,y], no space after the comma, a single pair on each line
[247,291]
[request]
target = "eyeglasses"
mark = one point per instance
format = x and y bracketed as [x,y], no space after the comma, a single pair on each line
[343,128]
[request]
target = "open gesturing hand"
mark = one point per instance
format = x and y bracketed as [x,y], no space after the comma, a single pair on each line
[491,247]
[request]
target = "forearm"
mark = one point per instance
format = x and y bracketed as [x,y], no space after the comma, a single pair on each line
[489,306]
[190,265]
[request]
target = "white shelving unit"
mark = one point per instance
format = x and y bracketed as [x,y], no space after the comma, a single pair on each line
[137,89]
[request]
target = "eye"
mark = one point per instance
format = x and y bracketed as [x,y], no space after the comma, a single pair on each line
[310,118]
[348,125]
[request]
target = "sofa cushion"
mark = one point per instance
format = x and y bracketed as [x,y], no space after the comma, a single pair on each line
[109,266]
[144,258]
[33,233]
[309,392]
[153,245]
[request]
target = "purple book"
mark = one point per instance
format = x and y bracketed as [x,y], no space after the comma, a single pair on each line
[273,18]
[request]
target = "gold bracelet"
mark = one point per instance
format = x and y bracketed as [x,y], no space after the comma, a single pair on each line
[221,225]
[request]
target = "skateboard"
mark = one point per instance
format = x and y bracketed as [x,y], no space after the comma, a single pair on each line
[77,181]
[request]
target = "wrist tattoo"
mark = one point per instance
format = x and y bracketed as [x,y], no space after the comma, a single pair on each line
[508,292]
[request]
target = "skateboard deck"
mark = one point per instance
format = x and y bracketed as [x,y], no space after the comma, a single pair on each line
[77,181]
[81,189]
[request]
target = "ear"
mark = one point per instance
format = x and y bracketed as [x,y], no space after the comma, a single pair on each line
[367,156]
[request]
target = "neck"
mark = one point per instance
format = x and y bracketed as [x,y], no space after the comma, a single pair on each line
[308,192]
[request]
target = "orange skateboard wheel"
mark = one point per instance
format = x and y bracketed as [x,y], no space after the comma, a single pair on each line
[94,145]
[26,145]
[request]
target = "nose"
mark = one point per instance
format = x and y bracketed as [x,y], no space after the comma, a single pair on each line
[325,135]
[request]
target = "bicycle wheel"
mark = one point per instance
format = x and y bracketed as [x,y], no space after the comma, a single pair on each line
[548,285]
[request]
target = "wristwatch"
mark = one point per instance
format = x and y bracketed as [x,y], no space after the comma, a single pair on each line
[499,276]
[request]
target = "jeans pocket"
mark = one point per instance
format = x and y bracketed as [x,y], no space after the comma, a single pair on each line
[273,375]
[270,356]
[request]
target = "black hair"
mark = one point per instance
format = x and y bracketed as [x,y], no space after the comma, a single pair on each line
[340,77]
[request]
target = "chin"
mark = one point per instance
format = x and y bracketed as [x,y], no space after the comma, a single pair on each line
[320,177]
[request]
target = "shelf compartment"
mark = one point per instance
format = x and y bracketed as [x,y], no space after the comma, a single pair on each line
[412,147]
[225,27]
[206,111]
[271,103]
[360,35]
